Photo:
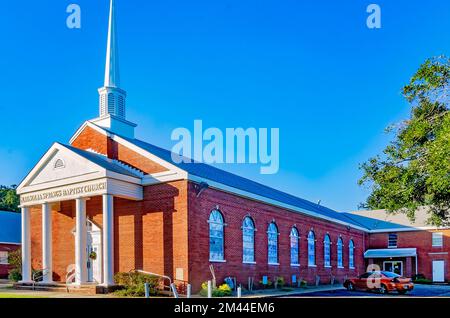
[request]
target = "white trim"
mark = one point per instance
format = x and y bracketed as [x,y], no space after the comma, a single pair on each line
[351,267]
[217,261]
[91,125]
[312,265]
[273,264]
[256,197]
[412,229]
[7,243]
[295,265]
[249,263]
[328,266]
[147,154]
[341,267]
[438,253]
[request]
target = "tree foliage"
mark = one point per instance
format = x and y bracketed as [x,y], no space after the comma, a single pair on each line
[414,169]
[9,200]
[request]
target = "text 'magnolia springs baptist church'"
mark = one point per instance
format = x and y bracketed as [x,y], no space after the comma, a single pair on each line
[107,202]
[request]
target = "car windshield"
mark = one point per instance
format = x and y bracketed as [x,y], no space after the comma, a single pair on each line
[390,274]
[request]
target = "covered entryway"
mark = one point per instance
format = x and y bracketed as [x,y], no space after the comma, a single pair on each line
[402,261]
[68,174]
[438,271]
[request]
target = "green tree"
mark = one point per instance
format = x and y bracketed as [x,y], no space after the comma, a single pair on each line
[9,200]
[414,169]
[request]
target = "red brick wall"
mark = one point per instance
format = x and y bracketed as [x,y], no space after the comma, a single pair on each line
[4,269]
[422,240]
[234,210]
[92,139]
[150,234]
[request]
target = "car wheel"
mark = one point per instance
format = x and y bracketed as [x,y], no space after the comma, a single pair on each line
[350,287]
[383,289]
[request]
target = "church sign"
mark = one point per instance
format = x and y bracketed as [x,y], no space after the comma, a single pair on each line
[64,193]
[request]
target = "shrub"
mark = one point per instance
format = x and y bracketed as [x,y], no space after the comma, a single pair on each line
[280,282]
[303,283]
[15,275]
[223,290]
[15,259]
[133,284]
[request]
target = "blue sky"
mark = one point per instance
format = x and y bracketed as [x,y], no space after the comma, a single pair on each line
[311,68]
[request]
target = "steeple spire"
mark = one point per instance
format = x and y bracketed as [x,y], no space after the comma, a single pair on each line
[112,97]
[112,76]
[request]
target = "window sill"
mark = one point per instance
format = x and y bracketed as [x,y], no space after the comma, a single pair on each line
[351,268]
[437,246]
[273,264]
[312,265]
[217,261]
[392,246]
[250,263]
[341,267]
[295,265]
[328,266]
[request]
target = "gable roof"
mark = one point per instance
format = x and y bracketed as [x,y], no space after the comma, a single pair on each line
[229,179]
[102,161]
[374,224]
[10,227]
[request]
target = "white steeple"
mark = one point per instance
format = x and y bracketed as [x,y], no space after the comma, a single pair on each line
[112,97]
[112,76]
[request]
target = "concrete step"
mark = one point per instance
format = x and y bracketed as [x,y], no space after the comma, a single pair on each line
[84,290]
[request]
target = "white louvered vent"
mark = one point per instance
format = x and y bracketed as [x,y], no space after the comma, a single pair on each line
[59,164]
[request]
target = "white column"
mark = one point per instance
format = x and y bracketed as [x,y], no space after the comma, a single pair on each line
[26,246]
[80,242]
[108,240]
[47,243]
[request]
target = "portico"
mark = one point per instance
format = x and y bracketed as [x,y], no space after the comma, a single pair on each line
[71,175]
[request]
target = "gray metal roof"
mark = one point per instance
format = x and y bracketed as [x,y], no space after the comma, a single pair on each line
[390,252]
[376,224]
[232,180]
[10,228]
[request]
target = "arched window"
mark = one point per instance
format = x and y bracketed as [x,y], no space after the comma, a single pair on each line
[327,251]
[216,225]
[311,249]
[351,254]
[272,243]
[248,240]
[340,245]
[294,246]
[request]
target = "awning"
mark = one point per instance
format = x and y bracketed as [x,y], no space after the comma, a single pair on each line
[390,252]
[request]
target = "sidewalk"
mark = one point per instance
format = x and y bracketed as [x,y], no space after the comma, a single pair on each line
[296,291]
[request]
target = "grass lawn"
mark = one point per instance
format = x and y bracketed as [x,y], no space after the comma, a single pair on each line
[6,295]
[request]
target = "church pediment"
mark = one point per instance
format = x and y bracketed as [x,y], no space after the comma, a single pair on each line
[64,165]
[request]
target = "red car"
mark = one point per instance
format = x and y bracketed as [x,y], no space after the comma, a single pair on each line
[380,281]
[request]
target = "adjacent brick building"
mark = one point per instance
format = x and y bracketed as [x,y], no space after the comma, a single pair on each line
[9,239]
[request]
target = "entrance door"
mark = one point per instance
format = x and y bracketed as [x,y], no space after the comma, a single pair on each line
[394,267]
[94,253]
[438,271]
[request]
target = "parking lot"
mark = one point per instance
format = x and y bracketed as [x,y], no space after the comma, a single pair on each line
[419,291]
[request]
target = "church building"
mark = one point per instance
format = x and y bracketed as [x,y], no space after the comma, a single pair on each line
[107,202]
